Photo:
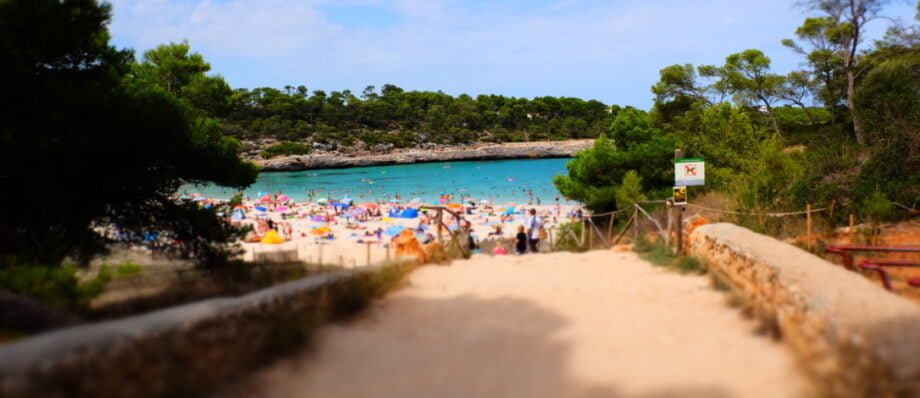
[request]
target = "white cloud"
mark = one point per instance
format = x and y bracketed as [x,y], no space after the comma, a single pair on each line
[588,48]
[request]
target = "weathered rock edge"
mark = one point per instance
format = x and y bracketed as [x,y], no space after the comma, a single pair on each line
[528,150]
[853,337]
[186,350]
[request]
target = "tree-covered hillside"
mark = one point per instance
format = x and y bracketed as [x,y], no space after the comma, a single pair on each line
[408,118]
[845,130]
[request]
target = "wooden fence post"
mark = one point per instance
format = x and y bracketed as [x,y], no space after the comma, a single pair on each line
[440,224]
[368,253]
[809,239]
[670,229]
[852,230]
[613,217]
[680,229]
[590,234]
[319,257]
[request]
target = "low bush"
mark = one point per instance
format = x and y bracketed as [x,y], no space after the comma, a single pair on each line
[56,286]
[286,149]
[662,255]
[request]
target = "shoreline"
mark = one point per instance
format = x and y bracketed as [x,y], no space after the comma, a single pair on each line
[505,151]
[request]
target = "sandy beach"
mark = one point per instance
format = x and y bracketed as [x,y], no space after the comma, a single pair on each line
[331,234]
[596,324]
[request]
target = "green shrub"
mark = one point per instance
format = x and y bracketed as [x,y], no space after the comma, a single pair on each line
[56,286]
[565,240]
[127,269]
[286,149]
[662,255]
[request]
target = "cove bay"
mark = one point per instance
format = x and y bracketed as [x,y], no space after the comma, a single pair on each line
[498,181]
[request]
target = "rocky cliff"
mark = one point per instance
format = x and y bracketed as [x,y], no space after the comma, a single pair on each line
[522,150]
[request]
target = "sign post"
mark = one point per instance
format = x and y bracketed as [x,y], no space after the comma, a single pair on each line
[687,172]
[680,195]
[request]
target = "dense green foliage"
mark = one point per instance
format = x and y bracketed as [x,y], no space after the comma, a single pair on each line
[286,149]
[409,118]
[90,142]
[889,104]
[766,145]
[595,174]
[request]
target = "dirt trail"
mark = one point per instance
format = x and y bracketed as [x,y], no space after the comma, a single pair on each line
[600,324]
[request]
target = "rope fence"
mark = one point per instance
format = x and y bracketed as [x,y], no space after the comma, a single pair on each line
[584,240]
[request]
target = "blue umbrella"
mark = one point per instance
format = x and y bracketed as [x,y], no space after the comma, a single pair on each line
[394,230]
[509,212]
[261,208]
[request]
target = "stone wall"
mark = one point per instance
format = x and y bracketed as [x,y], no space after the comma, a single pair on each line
[855,338]
[185,350]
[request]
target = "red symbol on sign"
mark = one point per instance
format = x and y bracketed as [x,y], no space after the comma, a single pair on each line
[690,171]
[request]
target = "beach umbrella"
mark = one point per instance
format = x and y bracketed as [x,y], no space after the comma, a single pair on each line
[394,230]
[346,200]
[340,205]
[394,200]
[265,199]
[484,202]
[237,215]
[369,205]
[283,198]
[320,230]
[387,219]
[272,238]
[509,211]
[261,208]
[415,201]
[358,211]
[282,209]
[454,206]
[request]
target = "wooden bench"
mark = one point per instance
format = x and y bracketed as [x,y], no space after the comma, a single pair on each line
[846,251]
[878,265]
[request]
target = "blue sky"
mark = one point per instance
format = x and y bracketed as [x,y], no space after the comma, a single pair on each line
[609,50]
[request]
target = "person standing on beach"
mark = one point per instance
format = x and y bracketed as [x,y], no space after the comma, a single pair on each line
[521,237]
[533,224]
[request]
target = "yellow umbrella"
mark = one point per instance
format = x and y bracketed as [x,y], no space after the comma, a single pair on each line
[454,206]
[272,238]
[320,230]
[386,219]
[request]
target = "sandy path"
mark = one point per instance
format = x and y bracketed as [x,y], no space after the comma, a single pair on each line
[558,325]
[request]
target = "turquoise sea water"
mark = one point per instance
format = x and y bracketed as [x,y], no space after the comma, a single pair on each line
[499,181]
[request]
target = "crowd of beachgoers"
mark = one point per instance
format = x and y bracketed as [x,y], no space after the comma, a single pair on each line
[340,226]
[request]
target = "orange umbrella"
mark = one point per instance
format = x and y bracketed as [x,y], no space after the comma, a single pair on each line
[454,206]
[369,205]
[320,231]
